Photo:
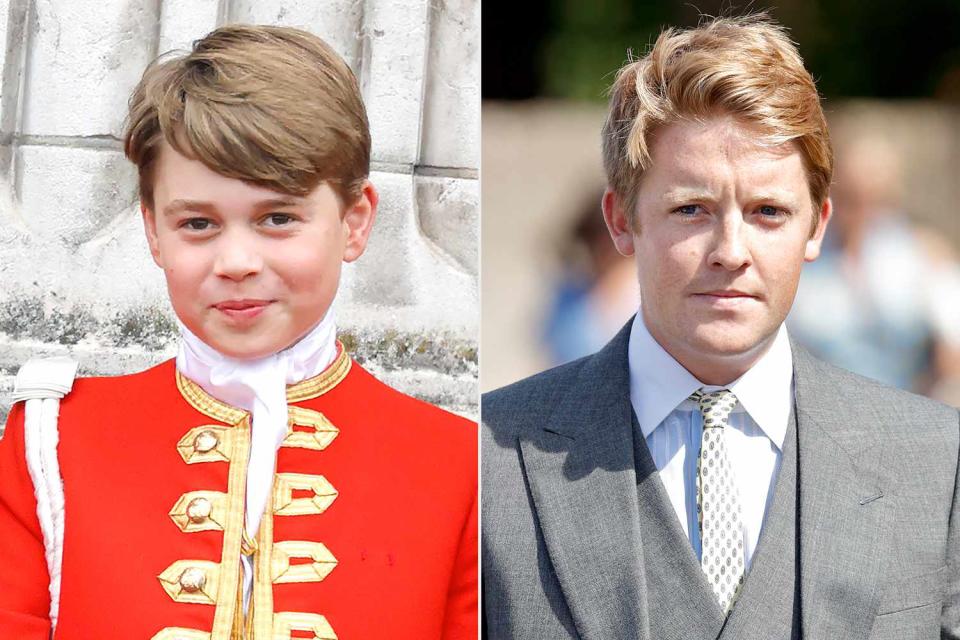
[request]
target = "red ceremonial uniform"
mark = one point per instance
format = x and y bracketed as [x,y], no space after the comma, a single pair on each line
[371,531]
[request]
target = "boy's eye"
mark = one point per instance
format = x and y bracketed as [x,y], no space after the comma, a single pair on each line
[278,219]
[197,224]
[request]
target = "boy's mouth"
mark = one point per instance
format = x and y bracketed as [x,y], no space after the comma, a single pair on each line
[244,309]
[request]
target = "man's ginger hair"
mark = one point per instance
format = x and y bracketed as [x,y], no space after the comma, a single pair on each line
[744,67]
[273,106]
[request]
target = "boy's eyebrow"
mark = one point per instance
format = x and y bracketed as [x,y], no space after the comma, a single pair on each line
[176,206]
[182,204]
[278,202]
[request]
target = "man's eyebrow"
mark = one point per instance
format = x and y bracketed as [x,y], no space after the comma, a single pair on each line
[680,194]
[783,196]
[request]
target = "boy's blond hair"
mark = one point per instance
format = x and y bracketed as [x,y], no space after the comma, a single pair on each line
[745,67]
[273,106]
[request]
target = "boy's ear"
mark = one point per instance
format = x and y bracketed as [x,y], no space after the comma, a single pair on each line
[358,221]
[150,228]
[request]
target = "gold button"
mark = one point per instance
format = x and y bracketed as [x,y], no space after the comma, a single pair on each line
[198,510]
[193,580]
[206,441]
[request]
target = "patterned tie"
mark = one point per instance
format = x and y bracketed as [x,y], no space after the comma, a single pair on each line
[718,503]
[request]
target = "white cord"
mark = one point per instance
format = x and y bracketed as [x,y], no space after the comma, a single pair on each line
[41,437]
[42,383]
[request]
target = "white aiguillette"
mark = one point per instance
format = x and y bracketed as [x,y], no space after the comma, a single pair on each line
[41,383]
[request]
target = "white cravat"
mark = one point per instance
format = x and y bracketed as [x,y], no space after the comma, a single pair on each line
[259,386]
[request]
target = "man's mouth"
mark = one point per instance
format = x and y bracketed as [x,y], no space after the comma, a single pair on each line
[725,298]
[727,293]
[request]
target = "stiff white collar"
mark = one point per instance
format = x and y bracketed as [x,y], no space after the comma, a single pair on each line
[259,386]
[659,384]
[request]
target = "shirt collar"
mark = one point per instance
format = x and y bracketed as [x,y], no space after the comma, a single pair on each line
[659,384]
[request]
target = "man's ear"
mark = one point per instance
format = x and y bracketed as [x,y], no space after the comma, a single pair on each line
[812,250]
[150,228]
[358,221]
[618,224]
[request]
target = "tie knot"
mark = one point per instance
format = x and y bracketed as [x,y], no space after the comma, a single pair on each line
[715,406]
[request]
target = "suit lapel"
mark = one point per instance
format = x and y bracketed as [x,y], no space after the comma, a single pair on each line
[842,511]
[580,470]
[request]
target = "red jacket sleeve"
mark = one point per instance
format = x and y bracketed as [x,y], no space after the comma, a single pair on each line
[460,619]
[24,581]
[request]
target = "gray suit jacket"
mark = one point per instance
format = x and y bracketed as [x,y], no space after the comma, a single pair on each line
[566,498]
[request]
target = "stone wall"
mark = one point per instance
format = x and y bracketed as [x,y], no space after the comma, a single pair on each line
[75,275]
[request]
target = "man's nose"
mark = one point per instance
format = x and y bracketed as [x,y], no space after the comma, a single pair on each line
[731,249]
[237,258]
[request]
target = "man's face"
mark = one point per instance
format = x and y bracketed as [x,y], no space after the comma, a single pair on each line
[723,228]
[249,270]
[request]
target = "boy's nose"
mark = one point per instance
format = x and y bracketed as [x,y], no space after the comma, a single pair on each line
[237,260]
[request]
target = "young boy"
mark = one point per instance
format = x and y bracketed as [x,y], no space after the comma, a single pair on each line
[263,485]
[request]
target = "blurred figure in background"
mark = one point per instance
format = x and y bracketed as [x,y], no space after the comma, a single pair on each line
[883,300]
[595,294]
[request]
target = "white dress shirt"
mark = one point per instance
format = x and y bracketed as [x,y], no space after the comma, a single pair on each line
[672,426]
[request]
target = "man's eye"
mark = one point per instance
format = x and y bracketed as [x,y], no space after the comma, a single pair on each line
[688,210]
[769,211]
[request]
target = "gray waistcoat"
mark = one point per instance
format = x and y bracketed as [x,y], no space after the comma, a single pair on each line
[768,607]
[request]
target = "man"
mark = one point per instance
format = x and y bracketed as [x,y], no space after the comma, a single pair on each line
[701,476]
[263,485]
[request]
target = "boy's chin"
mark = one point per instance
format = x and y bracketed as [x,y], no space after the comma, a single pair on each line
[249,345]
[246,351]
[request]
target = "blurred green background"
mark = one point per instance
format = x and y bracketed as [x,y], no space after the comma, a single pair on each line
[878,48]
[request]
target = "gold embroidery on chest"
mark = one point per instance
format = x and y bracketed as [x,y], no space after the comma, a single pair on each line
[200,511]
[284,624]
[283,571]
[321,431]
[204,581]
[285,503]
[293,494]
[206,443]
[193,581]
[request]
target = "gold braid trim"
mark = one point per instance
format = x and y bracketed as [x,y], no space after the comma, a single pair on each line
[286,622]
[325,381]
[303,390]
[262,578]
[223,618]
[207,404]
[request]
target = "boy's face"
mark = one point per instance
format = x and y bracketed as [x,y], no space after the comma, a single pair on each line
[249,270]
